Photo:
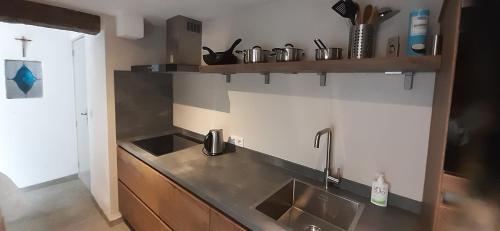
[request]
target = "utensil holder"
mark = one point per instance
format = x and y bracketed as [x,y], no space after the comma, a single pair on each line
[361,40]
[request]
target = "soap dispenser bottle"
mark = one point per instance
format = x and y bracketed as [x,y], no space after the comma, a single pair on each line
[380,191]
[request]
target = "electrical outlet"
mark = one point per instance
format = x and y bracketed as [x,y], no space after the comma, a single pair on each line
[236,140]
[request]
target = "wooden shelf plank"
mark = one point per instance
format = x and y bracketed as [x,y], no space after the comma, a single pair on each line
[405,64]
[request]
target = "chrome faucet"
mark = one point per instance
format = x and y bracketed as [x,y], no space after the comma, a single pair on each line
[328,178]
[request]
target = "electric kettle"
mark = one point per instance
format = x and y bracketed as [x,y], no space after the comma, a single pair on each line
[214,143]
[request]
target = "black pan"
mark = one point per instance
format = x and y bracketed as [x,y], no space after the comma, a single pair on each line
[220,58]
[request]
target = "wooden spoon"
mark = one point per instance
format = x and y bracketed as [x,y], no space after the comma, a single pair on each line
[367,13]
[373,17]
[359,16]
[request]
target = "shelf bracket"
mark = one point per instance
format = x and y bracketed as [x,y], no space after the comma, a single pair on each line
[322,79]
[407,78]
[267,77]
[228,77]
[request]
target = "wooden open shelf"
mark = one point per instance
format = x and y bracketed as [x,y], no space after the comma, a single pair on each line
[396,64]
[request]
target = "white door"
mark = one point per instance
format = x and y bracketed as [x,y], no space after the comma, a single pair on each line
[82,129]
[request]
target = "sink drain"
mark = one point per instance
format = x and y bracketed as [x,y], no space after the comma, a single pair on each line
[312,228]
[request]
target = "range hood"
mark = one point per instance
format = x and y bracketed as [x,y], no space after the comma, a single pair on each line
[160,68]
[183,47]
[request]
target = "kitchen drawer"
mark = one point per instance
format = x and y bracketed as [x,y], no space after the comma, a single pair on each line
[447,217]
[139,216]
[181,210]
[221,222]
[139,178]
[454,184]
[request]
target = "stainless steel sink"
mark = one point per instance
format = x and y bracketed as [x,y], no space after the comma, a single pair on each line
[301,206]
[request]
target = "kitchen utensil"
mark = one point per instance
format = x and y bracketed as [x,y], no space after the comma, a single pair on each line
[254,55]
[367,13]
[385,13]
[359,16]
[373,16]
[320,44]
[317,44]
[218,58]
[329,54]
[214,143]
[347,9]
[361,38]
[288,53]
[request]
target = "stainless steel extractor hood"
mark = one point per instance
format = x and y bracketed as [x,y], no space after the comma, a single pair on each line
[183,47]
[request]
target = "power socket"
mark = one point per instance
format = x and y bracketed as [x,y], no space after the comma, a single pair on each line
[236,140]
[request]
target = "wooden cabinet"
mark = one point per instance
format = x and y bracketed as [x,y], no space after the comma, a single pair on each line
[449,103]
[143,190]
[447,217]
[181,210]
[221,222]
[139,178]
[136,213]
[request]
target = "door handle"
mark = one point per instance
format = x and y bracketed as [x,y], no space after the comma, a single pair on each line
[84,114]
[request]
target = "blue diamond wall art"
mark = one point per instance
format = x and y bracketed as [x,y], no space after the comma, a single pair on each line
[23,79]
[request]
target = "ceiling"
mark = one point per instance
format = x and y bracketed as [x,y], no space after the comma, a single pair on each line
[157,11]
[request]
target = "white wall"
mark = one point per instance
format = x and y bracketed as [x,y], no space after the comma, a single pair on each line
[378,126]
[105,54]
[38,135]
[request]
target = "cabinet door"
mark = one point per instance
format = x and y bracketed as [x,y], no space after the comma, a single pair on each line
[139,178]
[181,210]
[221,222]
[136,213]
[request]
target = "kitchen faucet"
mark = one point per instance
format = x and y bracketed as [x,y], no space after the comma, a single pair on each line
[328,178]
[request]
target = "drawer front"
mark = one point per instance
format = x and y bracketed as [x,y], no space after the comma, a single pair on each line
[181,210]
[139,216]
[448,216]
[139,178]
[221,222]
[454,184]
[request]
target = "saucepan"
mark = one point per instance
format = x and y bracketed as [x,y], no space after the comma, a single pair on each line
[328,53]
[288,53]
[324,53]
[254,55]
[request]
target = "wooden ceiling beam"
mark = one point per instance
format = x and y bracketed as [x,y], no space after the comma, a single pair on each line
[37,14]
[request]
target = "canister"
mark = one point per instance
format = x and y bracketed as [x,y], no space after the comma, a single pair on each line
[417,32]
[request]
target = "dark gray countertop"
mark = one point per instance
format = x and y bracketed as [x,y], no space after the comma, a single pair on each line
[236,182]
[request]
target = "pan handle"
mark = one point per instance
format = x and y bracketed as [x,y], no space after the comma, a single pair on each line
[322,44]
[317,44]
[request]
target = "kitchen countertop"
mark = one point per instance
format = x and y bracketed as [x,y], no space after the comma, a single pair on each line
[236,182]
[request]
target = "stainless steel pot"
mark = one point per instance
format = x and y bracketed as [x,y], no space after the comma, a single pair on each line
[288,53]
[254,55]
[329,54]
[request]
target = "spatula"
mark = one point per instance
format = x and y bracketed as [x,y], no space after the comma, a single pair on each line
[346,9]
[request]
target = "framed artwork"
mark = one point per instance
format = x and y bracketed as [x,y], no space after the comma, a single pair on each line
[23,79]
